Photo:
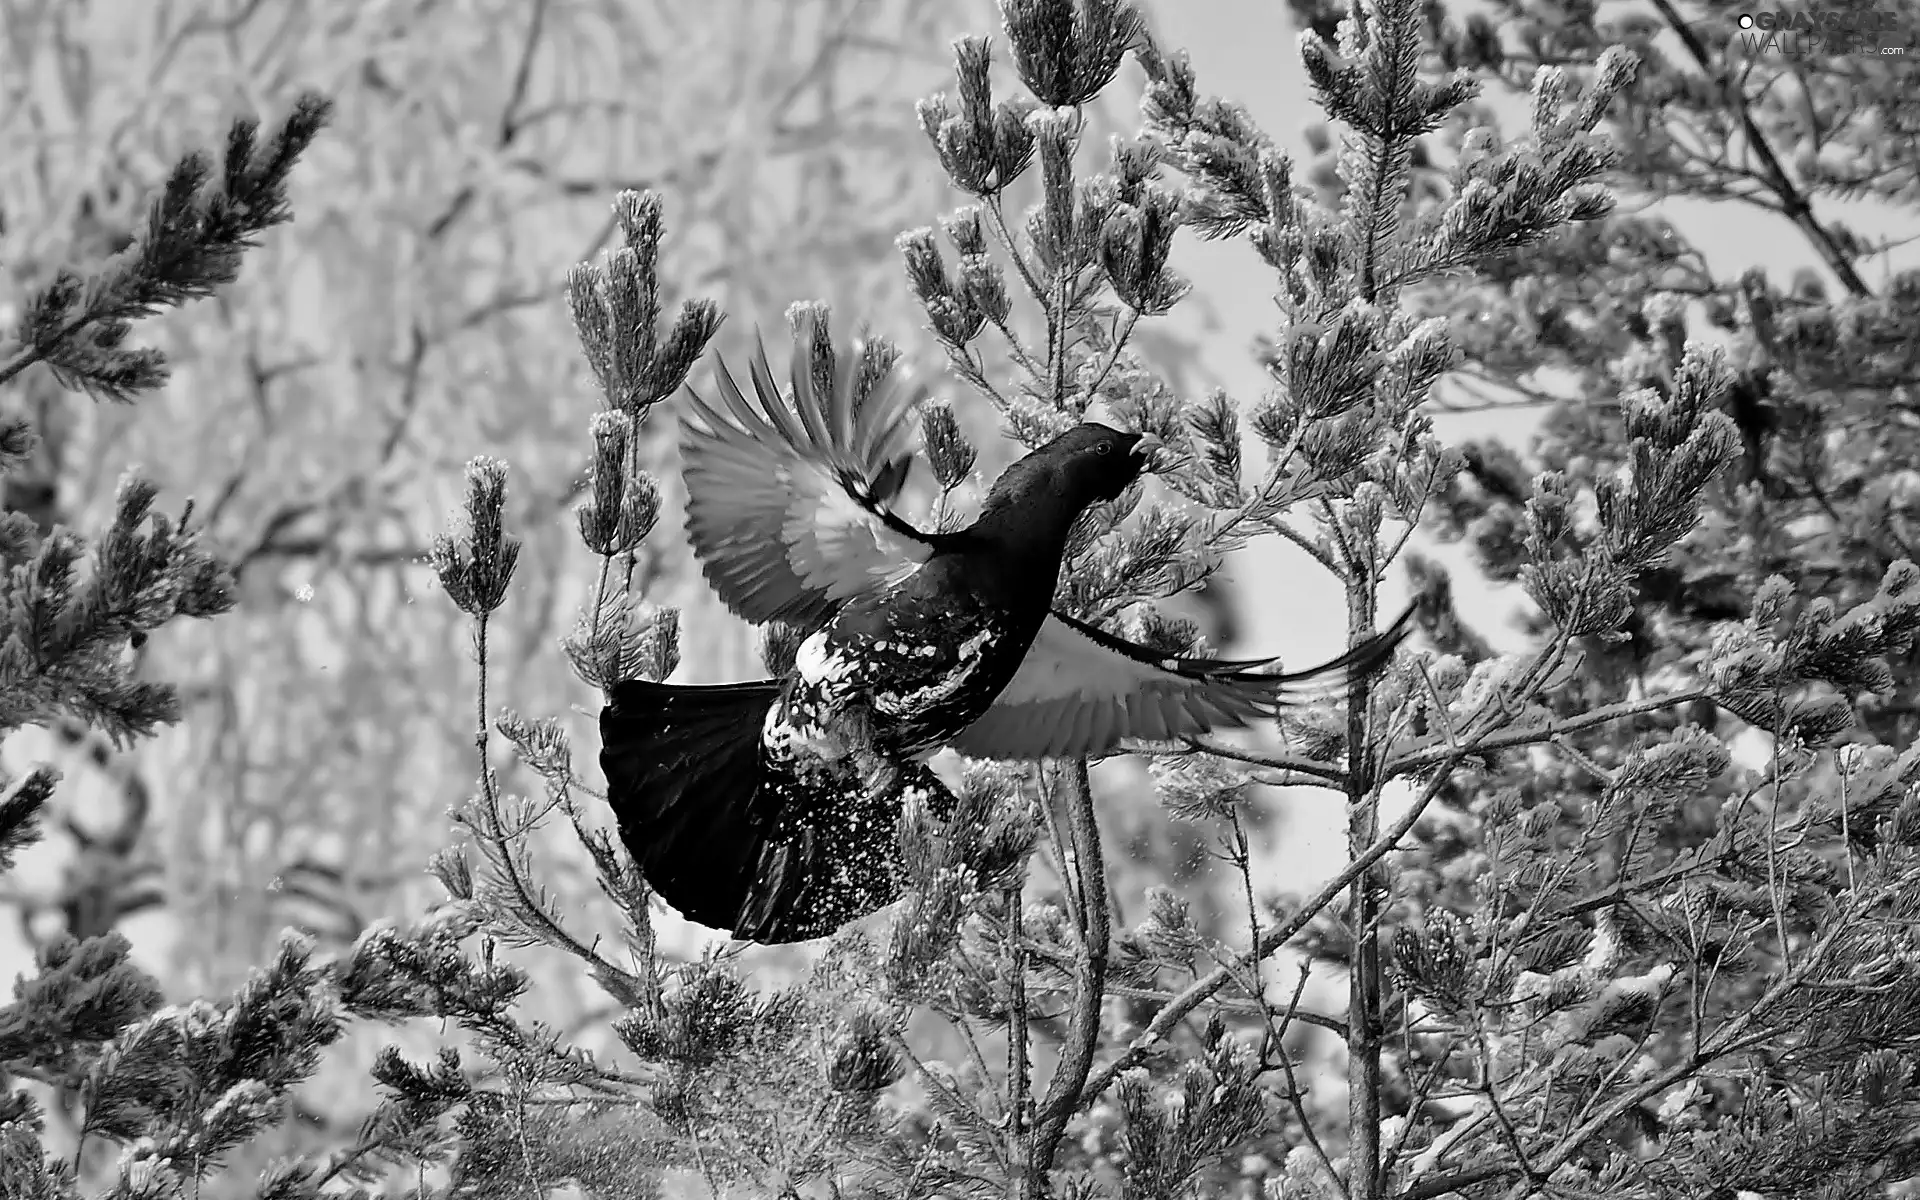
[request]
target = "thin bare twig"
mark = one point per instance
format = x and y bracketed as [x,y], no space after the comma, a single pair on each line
[1121,334]
[1792,200]
[1315,771]
[1298,1101]
[1433,755]
[1013,250]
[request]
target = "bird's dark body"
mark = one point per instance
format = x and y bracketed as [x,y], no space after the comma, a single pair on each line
[926,657]
[889,678]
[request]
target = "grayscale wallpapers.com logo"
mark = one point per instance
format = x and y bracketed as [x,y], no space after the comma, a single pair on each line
[1824,31]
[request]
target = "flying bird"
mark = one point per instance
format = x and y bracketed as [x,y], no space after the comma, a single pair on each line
[769,808]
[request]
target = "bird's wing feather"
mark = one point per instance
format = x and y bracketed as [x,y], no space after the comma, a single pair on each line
[1081,691]
[787,506]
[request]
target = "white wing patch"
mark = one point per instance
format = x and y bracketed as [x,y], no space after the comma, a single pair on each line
[846,548]
[820,664]
[942,689]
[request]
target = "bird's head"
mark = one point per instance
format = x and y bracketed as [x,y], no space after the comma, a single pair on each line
[1094,461]
[1099,457]
[1036,500]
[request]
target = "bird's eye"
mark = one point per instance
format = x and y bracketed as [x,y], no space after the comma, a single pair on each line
[1103,448]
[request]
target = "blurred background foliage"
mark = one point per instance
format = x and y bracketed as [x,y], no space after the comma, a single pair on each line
[321,409]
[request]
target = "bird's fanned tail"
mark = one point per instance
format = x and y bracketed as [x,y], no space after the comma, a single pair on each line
[771,846]
[684,778]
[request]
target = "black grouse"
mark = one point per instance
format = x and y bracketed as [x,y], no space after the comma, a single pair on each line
[769,808]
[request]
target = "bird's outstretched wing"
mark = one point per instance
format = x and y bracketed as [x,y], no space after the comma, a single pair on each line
[1081,691]
[787,502]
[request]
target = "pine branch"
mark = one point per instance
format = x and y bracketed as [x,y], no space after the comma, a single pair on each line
[66,632]
[19,814]
[1728,1039]
[191,245]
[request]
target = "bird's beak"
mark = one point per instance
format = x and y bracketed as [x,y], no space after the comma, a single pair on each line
[1146,448]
